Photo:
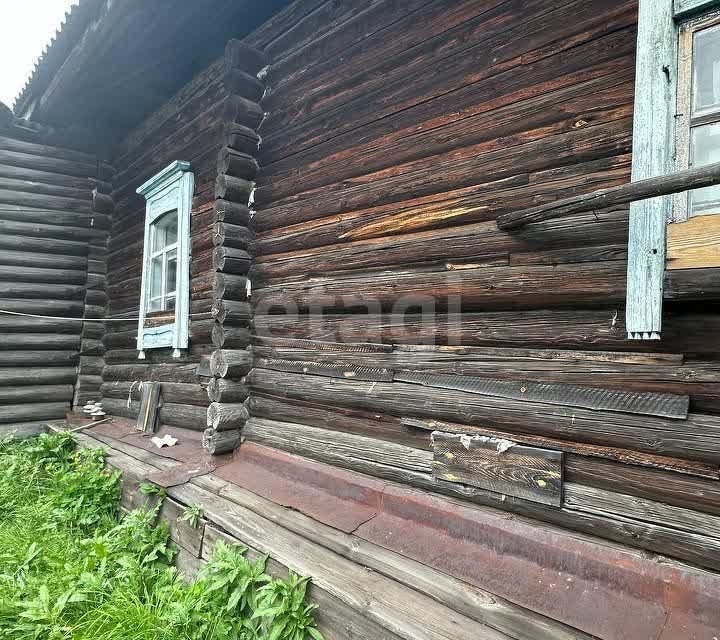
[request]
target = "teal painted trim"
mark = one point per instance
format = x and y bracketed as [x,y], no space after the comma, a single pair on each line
[653,155]
[168,175]
[687,8]
[171,189]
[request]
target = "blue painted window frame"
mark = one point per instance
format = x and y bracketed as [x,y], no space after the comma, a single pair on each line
[170,190]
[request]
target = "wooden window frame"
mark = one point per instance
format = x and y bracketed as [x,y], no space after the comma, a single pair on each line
[170,190]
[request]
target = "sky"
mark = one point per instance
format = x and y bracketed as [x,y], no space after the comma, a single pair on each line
[25,31]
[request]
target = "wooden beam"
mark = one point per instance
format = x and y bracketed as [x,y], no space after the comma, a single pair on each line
[686,8]
[694,178]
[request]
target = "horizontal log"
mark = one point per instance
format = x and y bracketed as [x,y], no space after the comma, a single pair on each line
[229,337]
[183,415]
[42,275]
[171,392]
[24,324]
[232,213]
[694,439]
[492,287]
[53,231]
[226,417]
[223,391]
[232,235]
[225,287]
[171,372]
[40,375]
[219,442]
[43,244]
[10,289]
[237,164]
[693,178]
[231,312]
[19,413]
[226,363]
[36,393]
[32,358]
[233,189]
[19,213]
[241,138]
[50,164]
[228,260]
[32,260]
[327,369]
[239,55]
[244,84]
[30,147]
[39,341]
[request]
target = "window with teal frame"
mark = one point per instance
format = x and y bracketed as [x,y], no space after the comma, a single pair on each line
[165,292]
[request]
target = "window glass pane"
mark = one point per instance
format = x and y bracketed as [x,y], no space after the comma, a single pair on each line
[170,303]
[165,231]
[156,277]
[155,305]
[706,69]
[171,271]
[705,149]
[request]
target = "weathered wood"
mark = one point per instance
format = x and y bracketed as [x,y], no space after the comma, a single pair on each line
[685,8]
[237,164]
[231,312]
[149,407]
[239,55]
[226,287]
[219,442]
[229,260]
[626,456]
[499,465]
[693,439]
[40,375]
[228,337]
[232,213]
[663,185]
[230,363]
[244,84]
[233,189]
[226,391]
[346,372]
[37,410]
[226,417]
[183,415]
[694,244]
[35,393]
[182,533]
[653,404]
[33,358]
[233,235]
[241,138]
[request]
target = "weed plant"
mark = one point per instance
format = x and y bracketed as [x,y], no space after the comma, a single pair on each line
[71,568]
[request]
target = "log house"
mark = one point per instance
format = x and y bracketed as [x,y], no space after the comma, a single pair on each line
[430,287]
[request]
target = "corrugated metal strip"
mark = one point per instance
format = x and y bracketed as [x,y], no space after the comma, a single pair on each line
[346,372]
[651,404]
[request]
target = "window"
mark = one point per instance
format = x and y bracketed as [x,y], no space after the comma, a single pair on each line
[698,131]
[676,126]
[165,292]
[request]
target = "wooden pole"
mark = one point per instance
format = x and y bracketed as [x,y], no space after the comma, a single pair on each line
[695,178]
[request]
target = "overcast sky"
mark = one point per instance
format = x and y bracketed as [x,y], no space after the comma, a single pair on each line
[25,30]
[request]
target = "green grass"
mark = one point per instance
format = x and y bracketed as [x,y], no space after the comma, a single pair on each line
[72,568]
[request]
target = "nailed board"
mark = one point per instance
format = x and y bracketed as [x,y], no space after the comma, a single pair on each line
[694,244]
[523,472]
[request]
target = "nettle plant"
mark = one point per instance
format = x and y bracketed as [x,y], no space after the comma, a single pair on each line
[72,569]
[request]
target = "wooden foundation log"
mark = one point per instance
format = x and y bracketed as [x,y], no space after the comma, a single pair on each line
[232,213]
[231,312]
[219,442]
[233,189]
[237,164]
[225,363]
[227,260]
[229,337]
[37,410]
[183,415]
[226,391]
[117,407]
[226,417]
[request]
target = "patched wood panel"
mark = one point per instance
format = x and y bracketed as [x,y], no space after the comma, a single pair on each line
[694,244]
[500,466]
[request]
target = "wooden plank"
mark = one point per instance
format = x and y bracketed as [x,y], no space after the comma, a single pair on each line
[626,456]
[182,533]
[501,466]
[694,244]
[653,404]
[653,155]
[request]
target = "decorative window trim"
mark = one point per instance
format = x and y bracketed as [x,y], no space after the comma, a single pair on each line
[171,189]
[655,147]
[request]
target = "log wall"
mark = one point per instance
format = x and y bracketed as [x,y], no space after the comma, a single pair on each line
[388,304]
[48,219]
